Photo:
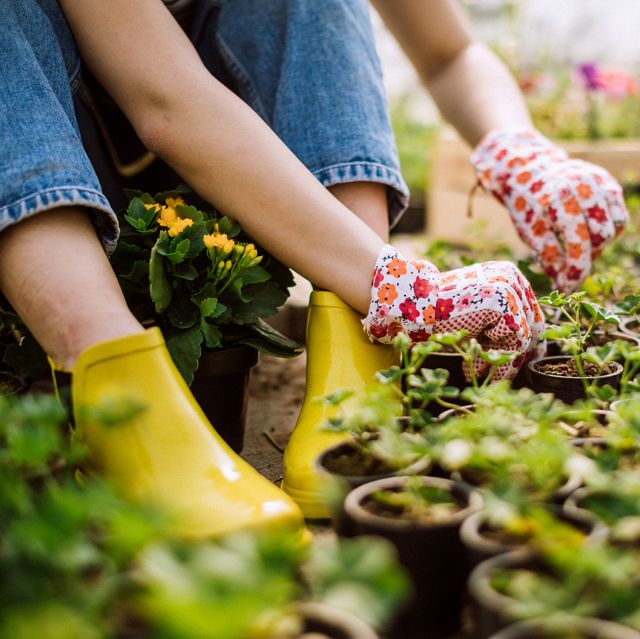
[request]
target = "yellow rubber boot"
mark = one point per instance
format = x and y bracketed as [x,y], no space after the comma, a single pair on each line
[169,454]
[339,355]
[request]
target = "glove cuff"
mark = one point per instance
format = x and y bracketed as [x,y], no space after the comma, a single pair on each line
[403,298]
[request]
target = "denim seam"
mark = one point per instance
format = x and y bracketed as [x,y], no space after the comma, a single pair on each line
[243,79]
[391,175]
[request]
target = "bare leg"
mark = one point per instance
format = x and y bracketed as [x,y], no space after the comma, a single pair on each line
[368,200]
[55,274]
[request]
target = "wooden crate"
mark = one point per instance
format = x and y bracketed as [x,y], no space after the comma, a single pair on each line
[452,178]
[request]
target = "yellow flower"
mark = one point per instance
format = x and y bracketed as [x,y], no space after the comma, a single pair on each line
[154,206]
[168,217]
[172,202]
[179,225]
[218,241]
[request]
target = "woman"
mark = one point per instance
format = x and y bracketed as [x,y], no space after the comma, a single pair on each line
[310,71]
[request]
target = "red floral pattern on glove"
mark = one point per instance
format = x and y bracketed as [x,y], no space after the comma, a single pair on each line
[492,301]
[565,210]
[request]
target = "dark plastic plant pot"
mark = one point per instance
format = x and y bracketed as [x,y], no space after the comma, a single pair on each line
[491,610]
[481,547]
[343,484]
[568,389]
[321,620]
[630,326]
[567,626]
[11,384]
[432,553]
[221,386]
[625,400]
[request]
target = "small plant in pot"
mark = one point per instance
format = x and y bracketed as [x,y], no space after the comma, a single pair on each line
[583,368]
[510,433]
[421,516]
[566,575]
[203,282]
[380,444]
[614,498]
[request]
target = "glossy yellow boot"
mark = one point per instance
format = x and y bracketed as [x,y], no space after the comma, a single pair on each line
[169,454]
[339,355]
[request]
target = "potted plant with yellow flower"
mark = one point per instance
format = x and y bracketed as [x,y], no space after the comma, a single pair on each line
[196,275]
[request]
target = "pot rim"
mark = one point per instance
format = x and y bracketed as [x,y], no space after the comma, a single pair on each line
[417,467]
[479,582]
[588,626]
[471,526]
[353,507]
[337,618]
[532,368]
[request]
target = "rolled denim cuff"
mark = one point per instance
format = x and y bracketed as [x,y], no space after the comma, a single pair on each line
[403,298]
[369,171]
[102,215]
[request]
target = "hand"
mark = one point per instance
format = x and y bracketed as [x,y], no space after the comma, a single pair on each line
[565,210]
[492,301]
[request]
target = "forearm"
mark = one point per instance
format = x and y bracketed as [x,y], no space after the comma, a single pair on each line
[471,86]
[476,93]
[220,146]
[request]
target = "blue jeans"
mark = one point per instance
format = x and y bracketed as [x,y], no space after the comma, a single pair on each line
[308,68]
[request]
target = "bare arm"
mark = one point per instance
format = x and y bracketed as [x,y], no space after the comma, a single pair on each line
[219,145]
[472,88]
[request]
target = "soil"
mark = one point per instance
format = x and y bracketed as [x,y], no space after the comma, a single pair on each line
[428,514]
[501,536]
[354,463]
[569,369]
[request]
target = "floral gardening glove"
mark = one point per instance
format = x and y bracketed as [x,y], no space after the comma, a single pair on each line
[492,301]
[565,210]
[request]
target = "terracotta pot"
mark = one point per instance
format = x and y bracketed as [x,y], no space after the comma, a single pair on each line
[575,627]
[221,386]
[322,621]
[568,389]
[431,552]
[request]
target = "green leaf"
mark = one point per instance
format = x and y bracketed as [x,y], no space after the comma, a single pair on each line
[185,348]
[176,251]
[211,333]
[265,300]
[190,212]
[211,308]
[138,273]
[228,227]
[268,340]
[208,290]
[595,311]
[255,275]
[182,312]
[159,287]
[185,271]
[558,332]
[140,217]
